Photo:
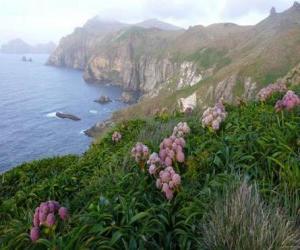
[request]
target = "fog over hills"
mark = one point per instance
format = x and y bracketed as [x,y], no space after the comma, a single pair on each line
[18,46]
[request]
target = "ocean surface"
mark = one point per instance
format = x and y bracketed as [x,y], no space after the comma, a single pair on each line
[31,94]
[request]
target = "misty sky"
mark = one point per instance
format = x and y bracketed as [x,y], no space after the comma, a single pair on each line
[45,20]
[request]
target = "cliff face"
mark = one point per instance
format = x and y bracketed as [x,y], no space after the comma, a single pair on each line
[146,74]
[143,74]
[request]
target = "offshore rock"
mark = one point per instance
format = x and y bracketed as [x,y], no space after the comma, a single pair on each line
[67,116]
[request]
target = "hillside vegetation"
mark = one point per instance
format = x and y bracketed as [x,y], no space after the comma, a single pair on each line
[240,187]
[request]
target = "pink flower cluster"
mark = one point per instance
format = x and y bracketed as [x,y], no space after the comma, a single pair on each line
[288,102]
[116,136]
[181,129]
[266,92]
[171,149]
[140,152]
[45,216]
[168,181]
[213,117]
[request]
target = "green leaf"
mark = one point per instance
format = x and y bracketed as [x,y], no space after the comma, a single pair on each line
[138,216]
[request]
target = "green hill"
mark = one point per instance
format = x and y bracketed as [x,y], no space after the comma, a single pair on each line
[240,188]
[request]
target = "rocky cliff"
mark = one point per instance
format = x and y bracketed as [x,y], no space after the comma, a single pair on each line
[227,59]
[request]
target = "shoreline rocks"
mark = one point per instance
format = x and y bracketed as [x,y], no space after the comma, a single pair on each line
[103,100]
[67,116]
[98,128]
[127,97]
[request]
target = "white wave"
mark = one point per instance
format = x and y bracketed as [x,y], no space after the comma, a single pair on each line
[51,115]
[93,111]
[82,132]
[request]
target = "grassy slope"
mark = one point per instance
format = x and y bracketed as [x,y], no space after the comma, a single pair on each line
[114,205]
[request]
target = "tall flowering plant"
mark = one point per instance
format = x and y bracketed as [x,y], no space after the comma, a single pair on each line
[268,91]
[214,116]
[45,216]
[171,152]
[116,137]
[140,153]
[288,102]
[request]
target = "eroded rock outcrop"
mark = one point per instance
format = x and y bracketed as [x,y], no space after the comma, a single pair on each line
[188,103]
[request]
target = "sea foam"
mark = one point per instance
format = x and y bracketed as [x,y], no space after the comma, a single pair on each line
[93,111]
[51,115]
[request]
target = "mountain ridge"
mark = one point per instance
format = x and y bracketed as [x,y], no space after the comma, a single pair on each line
[155,23]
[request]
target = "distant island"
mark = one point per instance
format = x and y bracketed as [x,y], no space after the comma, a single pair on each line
[18,46]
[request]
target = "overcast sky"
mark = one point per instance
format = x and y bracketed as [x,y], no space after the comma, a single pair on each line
[45,20]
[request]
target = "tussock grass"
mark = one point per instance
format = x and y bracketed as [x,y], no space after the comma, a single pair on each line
[241,220]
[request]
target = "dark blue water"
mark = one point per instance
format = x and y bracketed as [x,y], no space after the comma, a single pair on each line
[30,94]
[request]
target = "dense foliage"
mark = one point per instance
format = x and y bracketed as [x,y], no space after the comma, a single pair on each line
[113,204]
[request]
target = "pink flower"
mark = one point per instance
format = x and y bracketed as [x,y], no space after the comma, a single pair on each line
[215,125]
[51,206]
[34,234]
[181,129]
[63,213]
[139,147]
[42,216]
[213,117]
[169,194]
[44,207]
[168,161]
[266,92]
[168,142]
[165,176]
[162,154]
[171,154]
[165,188]
[36,221]
[50,220]
[179,149]
[140,152]
[288,102]
[116,136]
[176,179]
[152,169]
[180,156]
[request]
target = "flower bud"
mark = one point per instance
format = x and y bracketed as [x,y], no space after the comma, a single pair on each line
[168,161]
[34,234]
[180,156]
[50,220]
[63,213]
